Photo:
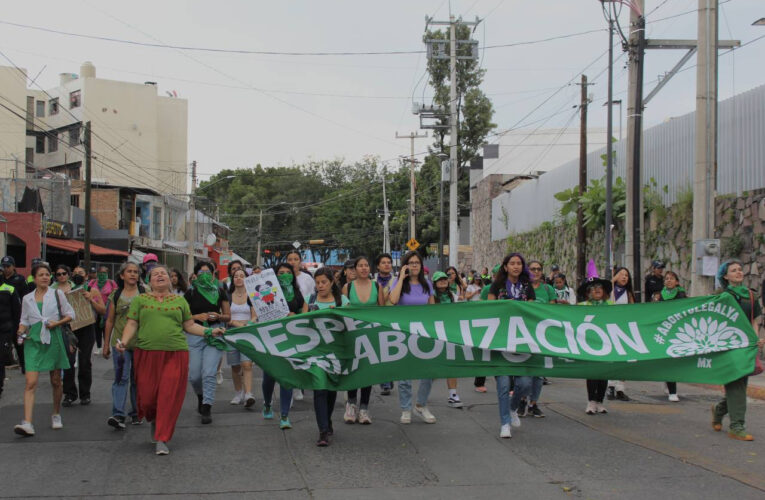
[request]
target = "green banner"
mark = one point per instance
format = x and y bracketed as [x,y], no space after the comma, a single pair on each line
[702,340]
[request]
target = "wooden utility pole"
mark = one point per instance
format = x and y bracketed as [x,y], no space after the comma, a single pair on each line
[88,207]
[581,235]
[412,136]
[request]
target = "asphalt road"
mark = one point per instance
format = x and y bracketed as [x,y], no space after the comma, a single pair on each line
[648,448]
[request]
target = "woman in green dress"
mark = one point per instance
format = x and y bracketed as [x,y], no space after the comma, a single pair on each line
[42,314]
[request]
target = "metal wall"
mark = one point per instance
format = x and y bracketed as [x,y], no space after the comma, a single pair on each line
[669,157]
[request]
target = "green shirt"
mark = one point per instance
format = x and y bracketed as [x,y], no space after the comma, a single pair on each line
[160,324]
[121,317]
[331,305]
[485,292]
[545,293]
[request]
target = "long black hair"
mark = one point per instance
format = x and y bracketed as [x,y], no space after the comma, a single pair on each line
[420,277]
[349,264]
[182,285]
[501,278]
[628,286]
[457,277]
[327,273]
[296,304]
[231,286]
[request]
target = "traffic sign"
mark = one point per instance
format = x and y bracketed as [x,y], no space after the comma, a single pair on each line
[412,245]
[296,244]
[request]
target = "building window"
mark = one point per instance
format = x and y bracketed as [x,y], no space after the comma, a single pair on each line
[40,111]
[53,106]
[74,135]
[156,230]
[74,200]
[40,144]
[73,173]
[74,99]
[53,142]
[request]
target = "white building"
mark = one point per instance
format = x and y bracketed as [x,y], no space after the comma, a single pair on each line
[12,122]
[138,138]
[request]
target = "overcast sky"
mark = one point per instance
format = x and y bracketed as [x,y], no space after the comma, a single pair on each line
[280,110]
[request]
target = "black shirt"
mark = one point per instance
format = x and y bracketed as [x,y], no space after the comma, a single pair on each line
[500,291]
[653,284]
[10,309]
[198,304]
[18,282]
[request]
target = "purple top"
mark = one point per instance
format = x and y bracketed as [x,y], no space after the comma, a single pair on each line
[415,297]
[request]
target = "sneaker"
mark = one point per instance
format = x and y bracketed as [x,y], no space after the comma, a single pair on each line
[611,394]
[67,402]
[622,397]
[673,398]
[592,408]
[206,414]
[545,381]
[455,402]
[136,420]
[161,448]
[298,395]
[249,400]
[84,401]
[480,389]
[406,417]
[599,408]
[741,435]
[284,423]
[514,420]
[237,399]
[534,411]
[350,413]
[424,413]
[25,429]
[522,408]
[116,421]
[55,422]
[323,440]
[364,417]
[716,421]
[219,377]
[504,432]
[268,414]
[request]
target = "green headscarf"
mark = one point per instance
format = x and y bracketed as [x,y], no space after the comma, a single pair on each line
[207,286]
[102,279]
[444,298]
[667,294]
[740,292]
[285,280]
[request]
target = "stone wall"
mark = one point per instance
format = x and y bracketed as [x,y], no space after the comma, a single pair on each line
[486,253]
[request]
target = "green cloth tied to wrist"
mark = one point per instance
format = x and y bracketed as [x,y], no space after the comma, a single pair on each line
[216,342]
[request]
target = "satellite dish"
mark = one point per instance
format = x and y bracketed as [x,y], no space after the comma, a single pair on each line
[210,239]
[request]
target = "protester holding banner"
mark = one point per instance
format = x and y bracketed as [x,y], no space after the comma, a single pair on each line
[731,277]
[596,290]
[623,293]
[86,339]
[443,293]
[297,305]
[242,313]
[671,291]
[209,306]
[512,282]
[413,289]
[159,319]
[384,266]
[480,382]
[544,294]
[118,304]
[43,311]
[327,296]
[362,291]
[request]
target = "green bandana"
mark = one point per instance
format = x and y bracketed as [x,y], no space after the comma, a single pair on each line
[740,292]
[453,288]
[444,298]
[102,278]
[285,280]
[207,286]
[667,294]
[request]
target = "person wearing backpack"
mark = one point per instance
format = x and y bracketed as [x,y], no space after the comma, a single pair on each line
[117,307]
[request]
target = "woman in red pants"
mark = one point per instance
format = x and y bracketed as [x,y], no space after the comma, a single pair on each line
[161,355]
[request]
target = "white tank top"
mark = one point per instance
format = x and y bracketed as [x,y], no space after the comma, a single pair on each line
[240,312]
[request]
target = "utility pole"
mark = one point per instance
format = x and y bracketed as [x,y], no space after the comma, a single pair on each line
[192,232]
[88,208]
[581,235]
[610,147]
[454,238]
[634,207]
[259,259]
[412,136]
[705,166]
[386,225]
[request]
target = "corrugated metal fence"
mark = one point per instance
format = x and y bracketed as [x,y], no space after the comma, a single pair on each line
[669,157]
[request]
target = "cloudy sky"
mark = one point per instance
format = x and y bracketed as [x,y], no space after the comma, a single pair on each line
[283,109]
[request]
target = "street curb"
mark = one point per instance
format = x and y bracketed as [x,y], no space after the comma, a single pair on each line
[752,391]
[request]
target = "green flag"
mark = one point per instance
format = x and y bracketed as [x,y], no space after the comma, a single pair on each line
[703,340]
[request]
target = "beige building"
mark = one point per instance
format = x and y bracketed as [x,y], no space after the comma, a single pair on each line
[13,94]
[138,138]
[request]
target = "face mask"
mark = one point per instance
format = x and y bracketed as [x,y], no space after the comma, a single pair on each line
[102,277]
[285,280]
[78,279]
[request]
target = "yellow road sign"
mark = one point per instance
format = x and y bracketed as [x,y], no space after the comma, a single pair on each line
[412,245]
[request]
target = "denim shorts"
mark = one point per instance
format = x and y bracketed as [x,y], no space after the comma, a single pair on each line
[234,358]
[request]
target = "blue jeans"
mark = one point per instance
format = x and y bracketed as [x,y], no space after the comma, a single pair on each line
[405,393]
[536,388]
[523,387]
[203,366]
[123,375]
[285,395]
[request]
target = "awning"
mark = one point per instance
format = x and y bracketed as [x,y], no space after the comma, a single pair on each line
[75,246]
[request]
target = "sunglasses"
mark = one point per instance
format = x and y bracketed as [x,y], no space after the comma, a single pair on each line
[62,274]
[535,269]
